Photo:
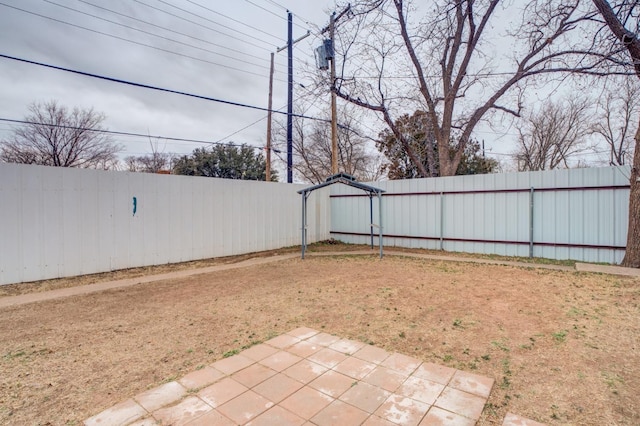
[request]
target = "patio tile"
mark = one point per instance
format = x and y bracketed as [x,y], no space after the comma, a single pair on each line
[221,392]
[200,378]
[303,332]
[245,407]
[122,413]
[385,378]
[377,421]
[365,396]
[277,416]
[305,371]
[232,364]
[282,341]
[304,349]
[148,421]
[402,410]
[328,357]
[323,339]
[162,395]
[435,373]
[439,417]
[332,383]
[306,402]
[259,352]
[277,387]
[189,409]
[460,402]
[212,418]
[472,383]
[305,377]
[280,360]
[401,363]
[339,413]
[354,367]
[253,375]
[346,346]
[515,420]
[372,354]
[422,390]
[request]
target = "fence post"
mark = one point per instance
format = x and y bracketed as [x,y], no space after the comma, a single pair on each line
[531,222]
[441,220]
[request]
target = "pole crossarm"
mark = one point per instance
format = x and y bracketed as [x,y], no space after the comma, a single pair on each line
[348,180]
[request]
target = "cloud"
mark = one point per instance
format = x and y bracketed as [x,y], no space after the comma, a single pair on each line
[140,110]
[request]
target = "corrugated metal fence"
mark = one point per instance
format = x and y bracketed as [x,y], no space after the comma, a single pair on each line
[576,214]
[58,222]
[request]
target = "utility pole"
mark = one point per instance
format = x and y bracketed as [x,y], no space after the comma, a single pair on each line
[334,119]
[268,167]
[289,47]
[334,113]
[290,98]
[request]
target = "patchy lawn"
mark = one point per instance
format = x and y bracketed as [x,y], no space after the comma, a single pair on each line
[562,346]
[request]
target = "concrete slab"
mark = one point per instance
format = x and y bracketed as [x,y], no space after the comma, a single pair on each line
[607,269]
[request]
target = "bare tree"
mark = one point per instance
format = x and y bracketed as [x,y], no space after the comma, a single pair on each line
[622,20]
[551,136]
[155,162]
[448,60]
[618,110]
[312,148]
[53,135]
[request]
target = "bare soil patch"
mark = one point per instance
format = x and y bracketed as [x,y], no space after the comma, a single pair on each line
[562,346]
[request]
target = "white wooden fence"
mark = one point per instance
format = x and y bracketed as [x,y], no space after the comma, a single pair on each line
[576,214]
[58,222]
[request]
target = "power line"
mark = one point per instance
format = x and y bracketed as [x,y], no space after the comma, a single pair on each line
[201,25]
[235,20]
[175,32]
[147,86]
[247,126]
[155,35]
[286,9]
[217,23]
[279,17]
[135,42]
[267,10]
[117,133]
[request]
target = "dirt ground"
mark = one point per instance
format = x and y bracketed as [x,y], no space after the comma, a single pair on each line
[563,347]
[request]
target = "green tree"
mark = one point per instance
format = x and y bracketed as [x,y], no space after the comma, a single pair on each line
[417,132]
[224,161]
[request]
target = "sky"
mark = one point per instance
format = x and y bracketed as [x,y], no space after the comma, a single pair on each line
[215,49]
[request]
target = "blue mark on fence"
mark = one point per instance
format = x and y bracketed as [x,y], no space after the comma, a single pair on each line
[135,205]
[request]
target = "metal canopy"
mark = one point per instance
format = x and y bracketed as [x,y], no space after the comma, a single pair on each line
[349,180]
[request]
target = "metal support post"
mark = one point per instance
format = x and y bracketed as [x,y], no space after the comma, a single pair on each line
[304,220]
[371,217]
[380,222]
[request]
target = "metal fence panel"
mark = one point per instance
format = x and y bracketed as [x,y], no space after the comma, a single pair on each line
[58,222]
[492,214]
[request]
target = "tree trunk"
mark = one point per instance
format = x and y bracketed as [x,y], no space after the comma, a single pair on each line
[632,255]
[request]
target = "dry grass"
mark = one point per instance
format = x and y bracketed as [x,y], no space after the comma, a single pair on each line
[562,346]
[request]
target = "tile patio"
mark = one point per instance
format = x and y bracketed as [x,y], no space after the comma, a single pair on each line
[306,377]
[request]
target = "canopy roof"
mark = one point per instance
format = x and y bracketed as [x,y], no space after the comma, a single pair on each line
[346,180]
